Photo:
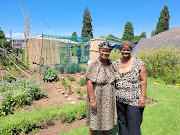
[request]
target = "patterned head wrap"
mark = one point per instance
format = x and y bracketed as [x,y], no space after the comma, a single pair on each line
[126,43]
[105,44]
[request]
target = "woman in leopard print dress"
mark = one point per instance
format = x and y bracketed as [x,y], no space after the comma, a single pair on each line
[101,102]
[131,83]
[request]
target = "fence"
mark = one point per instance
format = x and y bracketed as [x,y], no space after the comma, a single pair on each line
[61,53]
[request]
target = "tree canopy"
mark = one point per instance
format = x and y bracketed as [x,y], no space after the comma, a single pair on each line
[163,23]
[143,35]
[74,36]
[113,38]
[128,32]
[87,27]
[3,40]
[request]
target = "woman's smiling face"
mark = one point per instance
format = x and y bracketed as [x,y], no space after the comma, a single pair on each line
[126,51]
[104,53]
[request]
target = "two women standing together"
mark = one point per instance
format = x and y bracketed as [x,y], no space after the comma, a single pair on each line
[116,88]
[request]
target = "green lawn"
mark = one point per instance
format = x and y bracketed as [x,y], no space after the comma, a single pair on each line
[162,118]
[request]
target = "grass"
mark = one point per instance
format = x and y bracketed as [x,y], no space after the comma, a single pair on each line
[162,118]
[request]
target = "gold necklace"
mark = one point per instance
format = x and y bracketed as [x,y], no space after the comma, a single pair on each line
[125,65]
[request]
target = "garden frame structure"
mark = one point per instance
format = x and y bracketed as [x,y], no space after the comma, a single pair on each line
[45,51]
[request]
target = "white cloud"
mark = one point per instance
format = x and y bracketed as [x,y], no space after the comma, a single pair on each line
[16,35]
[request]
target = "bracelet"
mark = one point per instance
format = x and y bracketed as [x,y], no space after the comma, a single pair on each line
[92,101]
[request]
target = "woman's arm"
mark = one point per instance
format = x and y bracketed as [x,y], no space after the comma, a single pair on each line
[90,91]
[143,79]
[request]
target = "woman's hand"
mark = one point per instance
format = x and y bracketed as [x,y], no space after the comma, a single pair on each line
[93,105]
[142,102]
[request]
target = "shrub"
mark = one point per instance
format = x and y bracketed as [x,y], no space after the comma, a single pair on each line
[60,68]
[71,79]
[115,54]
[163,63]
[82,81]
[73,68]
[50,75]
[83,69]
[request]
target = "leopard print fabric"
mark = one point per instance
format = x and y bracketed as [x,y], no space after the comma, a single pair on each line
[103,78]
[128,88]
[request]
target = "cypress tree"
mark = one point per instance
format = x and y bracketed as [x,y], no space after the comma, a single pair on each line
[163,23]
[128,32]
[87,27]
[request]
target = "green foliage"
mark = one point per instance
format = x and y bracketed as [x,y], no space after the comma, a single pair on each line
[137,38]
[63,81]
[7,78]
[113,38]
[71,79]
[128,32]
[163,23]
[3,40]
[81,92]
[87,26]
[143,35]
[20,93]
[60,68]
[153,33]
[67,85]
[27,121]
[50,75]
[115,54]
[162,63]
[72,68]
[74,36]
[83,69]
[82,81]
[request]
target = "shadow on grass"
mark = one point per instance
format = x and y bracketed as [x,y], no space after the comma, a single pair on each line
[113,131]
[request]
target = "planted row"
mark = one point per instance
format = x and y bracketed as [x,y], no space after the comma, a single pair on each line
[20,93]
[27,121]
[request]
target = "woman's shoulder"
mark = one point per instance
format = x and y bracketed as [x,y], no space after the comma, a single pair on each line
[93,62]
[139,61]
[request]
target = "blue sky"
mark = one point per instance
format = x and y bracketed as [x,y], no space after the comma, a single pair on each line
[63,17]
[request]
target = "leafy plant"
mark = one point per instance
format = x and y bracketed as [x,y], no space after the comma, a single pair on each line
[81,92]
[72,68]
[63,81]
[60,68]
[71,79]
[7,78]
[67,85]
[82,81]
[50,75]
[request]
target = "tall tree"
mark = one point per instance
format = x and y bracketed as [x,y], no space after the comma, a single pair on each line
[74,36]
[143,34]
[2,35]
[153,33]
[163,23]
[128,32]
[3,40]
[87,27]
